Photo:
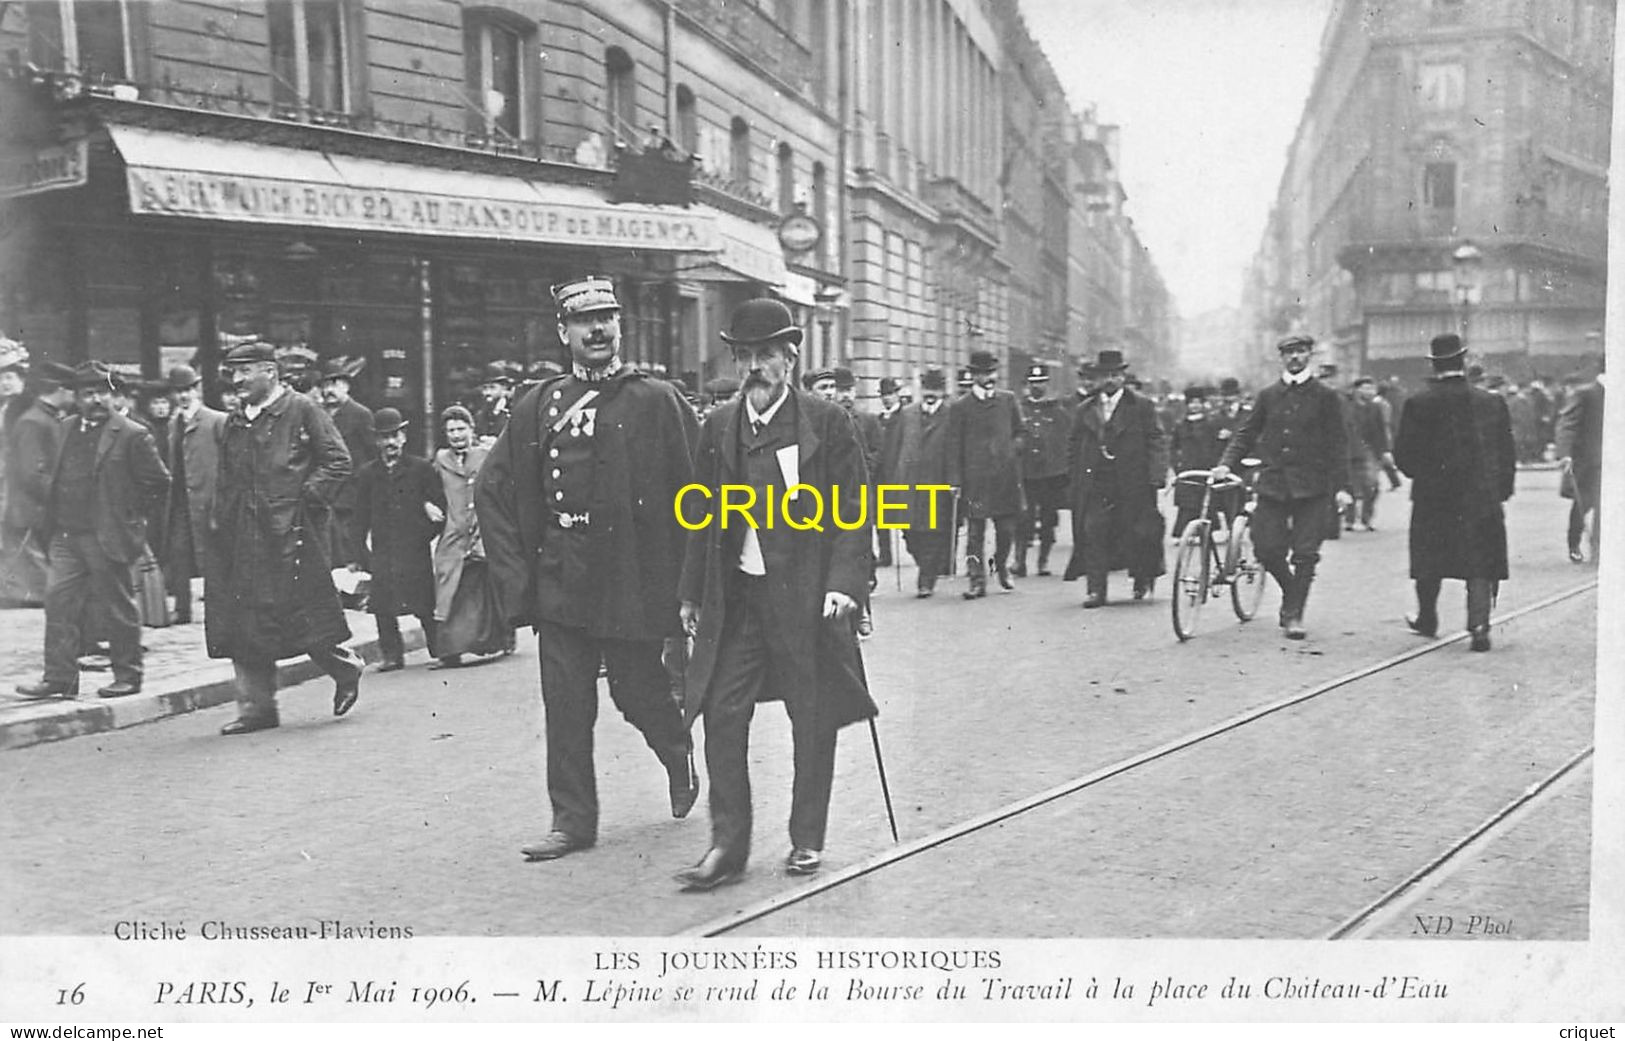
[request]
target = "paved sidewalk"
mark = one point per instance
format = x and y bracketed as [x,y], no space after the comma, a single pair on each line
[180,677]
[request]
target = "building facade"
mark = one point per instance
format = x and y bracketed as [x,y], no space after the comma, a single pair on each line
[1449,173]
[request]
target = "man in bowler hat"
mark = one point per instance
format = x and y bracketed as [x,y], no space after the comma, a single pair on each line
[575,504]
[108,484]
[196,433]
[771,606]
[916,454]
[1297,429]
[1455,444]
[985,435]
[400,506]
[269,580]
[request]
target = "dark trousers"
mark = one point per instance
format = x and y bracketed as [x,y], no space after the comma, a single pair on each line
[930,549]
[883,548]
[1480,597]
[1004,536]
[640,688]
[256,680]
[1287,534]
[1039,519]
[390,645]
[749,661]
[86,589]
[1587,498]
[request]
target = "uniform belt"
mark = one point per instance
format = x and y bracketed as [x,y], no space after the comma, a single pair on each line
[570,520]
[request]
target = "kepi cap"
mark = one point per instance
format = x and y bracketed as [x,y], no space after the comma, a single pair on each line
[585,295]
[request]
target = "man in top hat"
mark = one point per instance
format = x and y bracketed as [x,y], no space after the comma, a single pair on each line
[916,454]
[31,447]
[268,577]
[354,423]
[400,506]
[108,484]
[1579,454]
[196,433]
[771,607]
[985,432]
[1297,430]
[1455,443]
[575,505]
[1043,469]
[1119,458]
[496,394]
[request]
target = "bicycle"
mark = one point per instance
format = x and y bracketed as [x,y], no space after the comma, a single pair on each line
[1202,565]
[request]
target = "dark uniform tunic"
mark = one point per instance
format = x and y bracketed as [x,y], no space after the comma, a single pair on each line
[563,582]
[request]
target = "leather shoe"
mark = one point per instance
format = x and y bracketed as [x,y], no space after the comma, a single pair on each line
[40,691]
[1575,556]
[345,694]
[247,725]
[1294,629]
[1004,578]
[803,861]
[391,665]
[1481,639]
[715,869]
[555,845]
[1142,588]
[1094,600]
[685,787]
[1428,627]
[450,661]
[119,690]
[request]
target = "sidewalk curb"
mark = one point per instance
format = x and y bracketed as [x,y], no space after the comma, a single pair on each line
[199,688]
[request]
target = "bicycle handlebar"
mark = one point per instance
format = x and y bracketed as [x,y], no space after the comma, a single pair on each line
[1230,481]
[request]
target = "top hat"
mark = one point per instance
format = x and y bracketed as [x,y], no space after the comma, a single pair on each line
[983,361]
[843,377]
[387,421]
[888,385]
[1295,340]
[250,351]
[1038,374]
[585,295]
[342,367]
[1446,345]
[181,377]
[933,379]
[1110,360]
[52,374]
[1229,385]
[94,374]
[761,320]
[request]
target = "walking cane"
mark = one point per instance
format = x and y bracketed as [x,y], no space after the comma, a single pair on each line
[953,538]
[896,557]
[885,790]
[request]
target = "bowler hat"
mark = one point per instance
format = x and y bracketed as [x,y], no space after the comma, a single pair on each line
[94,374]
[250,351]
[844,379]
[182,377]
[1110,360]
[585,295]
[342,367]
[1446,345]
[1038,374]
[761,320]
[888,385]
[1295,340]
[387,421]
[52,373]
[933,379]
[983,361]
[1229,385]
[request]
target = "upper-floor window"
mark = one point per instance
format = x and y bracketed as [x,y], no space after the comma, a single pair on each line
[500,76]
[1439,186]
[739,152]
[787,179]
[1442,86]
[90,37]
[620,95]
[688,124]
[309,42]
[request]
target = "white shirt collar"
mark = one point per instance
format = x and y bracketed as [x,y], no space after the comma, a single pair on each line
[762,419]
[252,410]
[930,407]
[186,414]
[982,393]
[1300,379]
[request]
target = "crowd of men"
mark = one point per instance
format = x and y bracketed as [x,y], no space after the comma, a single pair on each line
[567,508]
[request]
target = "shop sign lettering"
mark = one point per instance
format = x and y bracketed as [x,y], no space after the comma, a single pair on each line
[44,170]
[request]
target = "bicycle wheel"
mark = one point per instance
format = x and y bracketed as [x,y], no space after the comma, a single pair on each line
[1246,573]
[1190,578]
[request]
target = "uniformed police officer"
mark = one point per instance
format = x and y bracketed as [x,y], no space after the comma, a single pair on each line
[1043,469]
[575,504]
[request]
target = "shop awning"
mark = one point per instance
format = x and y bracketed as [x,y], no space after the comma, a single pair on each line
[746,253]
[182,175]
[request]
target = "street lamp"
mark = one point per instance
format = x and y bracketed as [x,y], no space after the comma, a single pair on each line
[824,299]
[1466,259]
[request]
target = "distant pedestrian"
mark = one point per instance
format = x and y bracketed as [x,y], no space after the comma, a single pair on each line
[1579,453]
[400,507]
[916,454]
[354,423]
[1296,428]
[1043,469]
[1119,458]
[196,434]
[1195,444]
[108,485]
[1455,443]
[496,393]
[467,613]
[985,432]
[1369,455]
[269,583]
[32,445]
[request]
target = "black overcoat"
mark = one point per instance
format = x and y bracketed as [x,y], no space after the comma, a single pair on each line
[389,508]
[1134,438]
[916,454]
[1455,444]
[642,457]
[269,582]
[984,453]
[31,451]
[826,685]
[131,498]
